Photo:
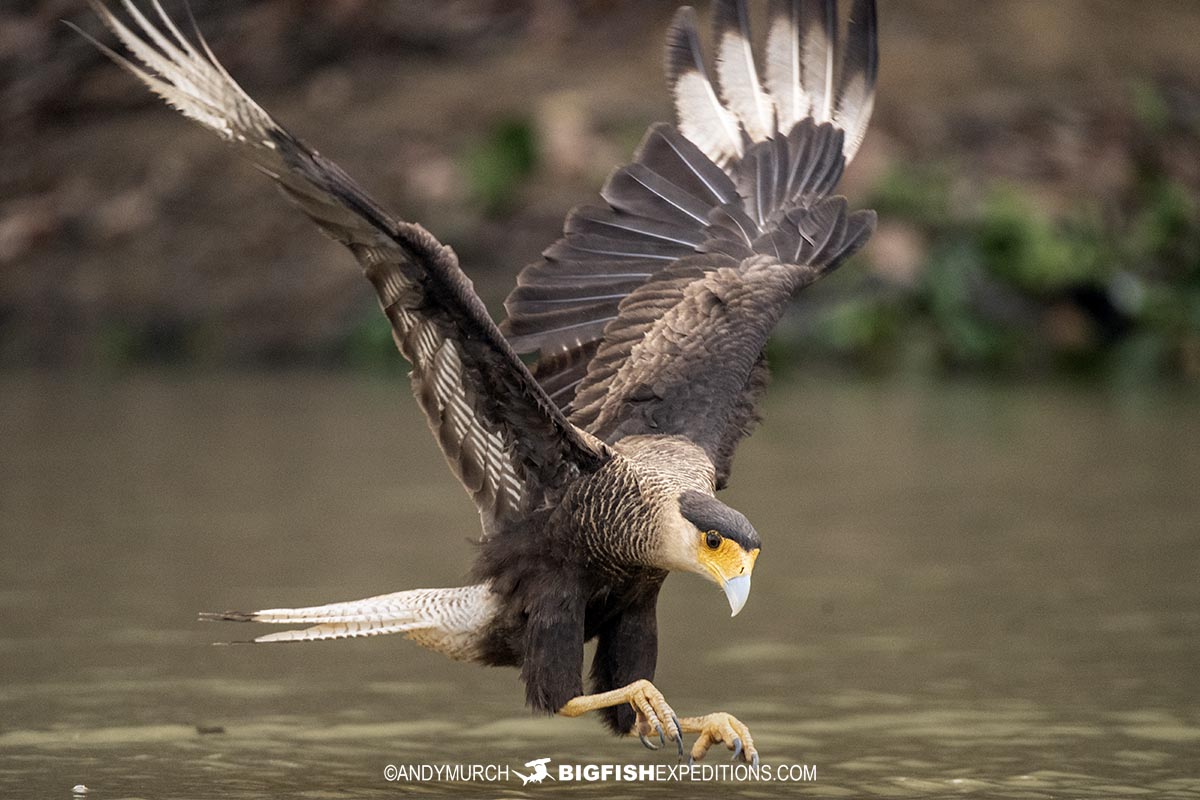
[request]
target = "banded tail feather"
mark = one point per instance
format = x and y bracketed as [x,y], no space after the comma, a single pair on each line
[448,621]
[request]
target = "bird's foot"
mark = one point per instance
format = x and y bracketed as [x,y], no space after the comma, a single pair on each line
[720,727]
[655,719]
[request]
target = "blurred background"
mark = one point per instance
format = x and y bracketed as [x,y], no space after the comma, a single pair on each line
[1036,167]
[976,477]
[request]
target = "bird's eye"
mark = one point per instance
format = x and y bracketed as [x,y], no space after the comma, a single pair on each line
[712,539]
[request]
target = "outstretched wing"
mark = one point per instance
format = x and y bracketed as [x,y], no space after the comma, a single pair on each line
[505,439]
[651,313]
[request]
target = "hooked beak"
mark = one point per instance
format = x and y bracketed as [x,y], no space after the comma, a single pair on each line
[737,590]
[735,579]
[729,567]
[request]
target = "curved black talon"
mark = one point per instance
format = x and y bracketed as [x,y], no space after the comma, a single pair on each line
[754,760]
[662,738]
[737,748]
[691,760]
[649,745]
[678,735]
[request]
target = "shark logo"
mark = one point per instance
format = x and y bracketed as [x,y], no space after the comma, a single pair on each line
[539,773]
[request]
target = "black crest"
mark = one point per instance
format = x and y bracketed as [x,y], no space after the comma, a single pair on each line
[710,514]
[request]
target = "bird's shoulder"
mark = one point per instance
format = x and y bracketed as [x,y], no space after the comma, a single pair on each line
[666,464]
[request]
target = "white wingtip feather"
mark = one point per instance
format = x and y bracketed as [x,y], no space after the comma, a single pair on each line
[702,117]
[740,87]
[807,72]
[193,83]
[784,72]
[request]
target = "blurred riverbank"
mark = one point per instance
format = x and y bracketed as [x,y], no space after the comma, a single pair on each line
[1036,167]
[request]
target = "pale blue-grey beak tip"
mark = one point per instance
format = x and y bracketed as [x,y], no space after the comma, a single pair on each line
[737,590]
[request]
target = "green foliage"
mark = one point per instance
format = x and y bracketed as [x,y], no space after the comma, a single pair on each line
[498,165]
[1114,288]
[1162,250]
[1164,231]
[864,329]
[948,294]
[1036,254]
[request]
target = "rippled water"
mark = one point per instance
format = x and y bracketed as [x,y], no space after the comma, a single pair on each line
[964,590]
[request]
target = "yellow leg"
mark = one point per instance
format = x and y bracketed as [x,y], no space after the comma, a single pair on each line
[654,716]
[720,727]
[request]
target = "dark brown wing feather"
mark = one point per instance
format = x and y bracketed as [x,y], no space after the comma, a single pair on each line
[505,439]
[672,202]
[684,356]
[657,212]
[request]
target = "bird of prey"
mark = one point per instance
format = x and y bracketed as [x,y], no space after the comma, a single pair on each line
[595,471]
